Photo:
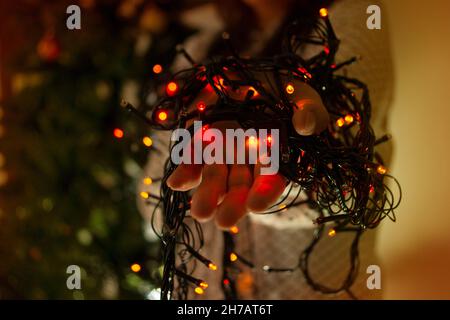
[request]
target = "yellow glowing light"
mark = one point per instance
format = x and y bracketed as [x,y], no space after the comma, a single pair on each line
[147,181]
[135,267]
[340,122]
[233,257]
[234,229]
[349,119]
[144,195]
[199,290]
[290,88]
[203,285]
[255,93]
[162,116]
[323,12]
[212,266]
[381,169]
[147,141]
[331,233]
[252,141]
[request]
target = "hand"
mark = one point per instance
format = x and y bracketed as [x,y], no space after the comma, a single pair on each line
[228,192]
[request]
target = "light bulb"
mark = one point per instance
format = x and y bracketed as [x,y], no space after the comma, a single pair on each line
[290,88]
[157,68]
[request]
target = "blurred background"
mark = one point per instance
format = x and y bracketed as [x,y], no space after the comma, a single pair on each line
[416,249]
[70,158]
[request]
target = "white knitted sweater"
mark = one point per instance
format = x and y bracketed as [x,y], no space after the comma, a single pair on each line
[278,240]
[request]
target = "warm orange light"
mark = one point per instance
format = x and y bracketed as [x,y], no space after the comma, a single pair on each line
[147,181]
[171,88]
[233,257]
[269,140]
[135,267]
[323,12]
[381,169]
[118,133]
[144,195]
[199,290]
[162,115]
[219,82]
[157,68]
[147,141]
[331,233]
[203,285]
[349,118]
[201,106]
[340,122]
[234,229]
[290,88]
[252,141]
[212,266]
[255,93]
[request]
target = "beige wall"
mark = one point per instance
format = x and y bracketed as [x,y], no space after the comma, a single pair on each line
[416,249]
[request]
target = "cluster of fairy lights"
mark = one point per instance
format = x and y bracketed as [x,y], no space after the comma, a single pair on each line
[339,171]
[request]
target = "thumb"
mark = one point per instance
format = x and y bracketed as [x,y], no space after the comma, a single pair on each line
[310,115]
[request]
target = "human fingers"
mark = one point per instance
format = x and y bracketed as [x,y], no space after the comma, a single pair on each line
[233,206]
[265,190]
[210,191]
[310,116]
[185,177]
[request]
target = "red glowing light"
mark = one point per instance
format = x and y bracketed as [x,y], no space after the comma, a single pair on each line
[268,140]
[201,106]
[118,133]
[209,88]
[226,282]
[171,88]
[305,72]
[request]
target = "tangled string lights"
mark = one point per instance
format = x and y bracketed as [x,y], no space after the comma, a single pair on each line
[339,170]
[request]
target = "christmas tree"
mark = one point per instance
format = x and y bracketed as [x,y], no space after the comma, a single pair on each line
[70,157]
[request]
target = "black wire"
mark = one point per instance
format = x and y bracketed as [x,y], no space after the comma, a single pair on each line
[337,169]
